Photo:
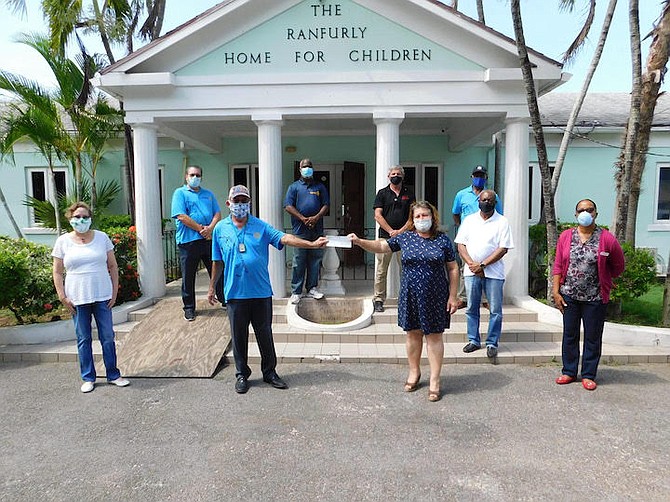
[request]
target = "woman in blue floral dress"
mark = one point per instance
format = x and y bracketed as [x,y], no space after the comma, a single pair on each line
[428,296]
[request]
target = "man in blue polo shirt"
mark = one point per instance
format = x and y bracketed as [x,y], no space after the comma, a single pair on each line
[307,202]
[240,244]
[196,212]
[466,202]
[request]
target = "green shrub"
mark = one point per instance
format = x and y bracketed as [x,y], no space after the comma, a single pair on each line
[104,223]
[538,258]
[638,277]
[125,250]
[26,278]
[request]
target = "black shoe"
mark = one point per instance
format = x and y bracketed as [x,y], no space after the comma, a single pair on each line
[379,306]
[189,314]
[470,347]
[241,385]
[224,306]
[275,381]
[491,351]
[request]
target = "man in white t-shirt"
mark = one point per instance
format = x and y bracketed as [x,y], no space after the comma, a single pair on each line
[483,239]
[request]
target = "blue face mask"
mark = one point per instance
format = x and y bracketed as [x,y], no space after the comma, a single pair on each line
[584,218]
[479,182]
[193,181]
[306,172]
[240,210]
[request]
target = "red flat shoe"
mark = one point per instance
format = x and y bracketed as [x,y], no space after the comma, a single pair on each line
[563,379]
[589,384]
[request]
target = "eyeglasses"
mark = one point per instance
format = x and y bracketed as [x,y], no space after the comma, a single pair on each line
[587,209]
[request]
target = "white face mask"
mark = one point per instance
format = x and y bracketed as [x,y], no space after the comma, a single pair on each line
[423,224]
[80,225]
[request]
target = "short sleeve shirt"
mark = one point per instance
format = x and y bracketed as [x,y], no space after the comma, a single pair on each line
[87,279]
[466,203]
[482,237]
[395,208]
[200,206]
[244,252]
[308,199]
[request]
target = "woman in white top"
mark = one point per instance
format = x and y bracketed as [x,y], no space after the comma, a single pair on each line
[86,278]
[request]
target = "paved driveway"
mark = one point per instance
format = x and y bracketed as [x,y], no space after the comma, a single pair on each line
[341,432]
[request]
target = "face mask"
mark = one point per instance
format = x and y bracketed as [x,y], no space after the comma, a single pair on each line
[584,218]
[193,181]
[486,207]
[479,182]
[240,210]
[423,225]
[396,180]
[307,172]
[80,225]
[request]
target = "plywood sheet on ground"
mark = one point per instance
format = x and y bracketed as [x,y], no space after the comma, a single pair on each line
[163,344]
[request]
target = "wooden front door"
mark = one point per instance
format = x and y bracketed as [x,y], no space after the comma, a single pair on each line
[353,208]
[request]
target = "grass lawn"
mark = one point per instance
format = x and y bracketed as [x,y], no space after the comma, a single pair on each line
[8,319]
[647,310]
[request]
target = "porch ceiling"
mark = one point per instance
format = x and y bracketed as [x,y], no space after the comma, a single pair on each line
[459,131]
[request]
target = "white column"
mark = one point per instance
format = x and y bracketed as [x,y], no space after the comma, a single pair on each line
[388,154]
[148,218]
[271,191]
[515,205]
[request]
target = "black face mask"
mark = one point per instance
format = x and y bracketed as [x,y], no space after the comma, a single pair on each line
[486,207]
[396,180]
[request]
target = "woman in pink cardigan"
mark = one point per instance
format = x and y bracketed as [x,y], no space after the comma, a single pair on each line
[588,258]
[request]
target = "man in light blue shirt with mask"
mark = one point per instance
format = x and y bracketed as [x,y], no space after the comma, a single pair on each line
[196,212]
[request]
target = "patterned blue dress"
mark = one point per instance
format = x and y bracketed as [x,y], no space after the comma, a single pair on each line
[424,284]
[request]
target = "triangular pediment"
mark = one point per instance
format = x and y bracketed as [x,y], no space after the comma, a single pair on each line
[256,37]
[314,37]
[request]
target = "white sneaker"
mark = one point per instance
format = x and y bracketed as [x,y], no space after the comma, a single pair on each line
[87,387]
[315,293]
[295,299]
[120,382]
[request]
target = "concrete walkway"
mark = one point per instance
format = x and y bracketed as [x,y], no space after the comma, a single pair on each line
[340,432]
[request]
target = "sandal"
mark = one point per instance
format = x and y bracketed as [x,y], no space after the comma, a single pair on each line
[434,395]
[565,379]
[412,386]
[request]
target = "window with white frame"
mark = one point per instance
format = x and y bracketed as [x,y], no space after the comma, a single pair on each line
[426,180]
[40,186]
[247,175]
[662,208]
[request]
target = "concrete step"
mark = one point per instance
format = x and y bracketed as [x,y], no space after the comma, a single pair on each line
[394,353]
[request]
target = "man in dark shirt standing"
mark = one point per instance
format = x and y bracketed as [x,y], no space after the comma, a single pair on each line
[391,212]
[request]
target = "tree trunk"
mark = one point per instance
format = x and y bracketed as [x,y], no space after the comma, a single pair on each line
[577,106]
[651,85]
[625,164]
[19,234]
[54,197]
[536,121]
[480,11]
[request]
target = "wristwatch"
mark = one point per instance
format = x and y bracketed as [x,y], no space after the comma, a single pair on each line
[482,265]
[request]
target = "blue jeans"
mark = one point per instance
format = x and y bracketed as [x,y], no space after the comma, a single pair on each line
[306,262]
[592,314]
[258,313]
[474,285]
[82,327]
[190,255]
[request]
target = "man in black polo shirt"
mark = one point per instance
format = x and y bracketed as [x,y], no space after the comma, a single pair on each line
[391,212]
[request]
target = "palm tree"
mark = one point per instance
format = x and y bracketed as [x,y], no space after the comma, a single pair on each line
[116,21]
[37,115]
[33,116]
[567,135]
[549,209]
[649,89]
